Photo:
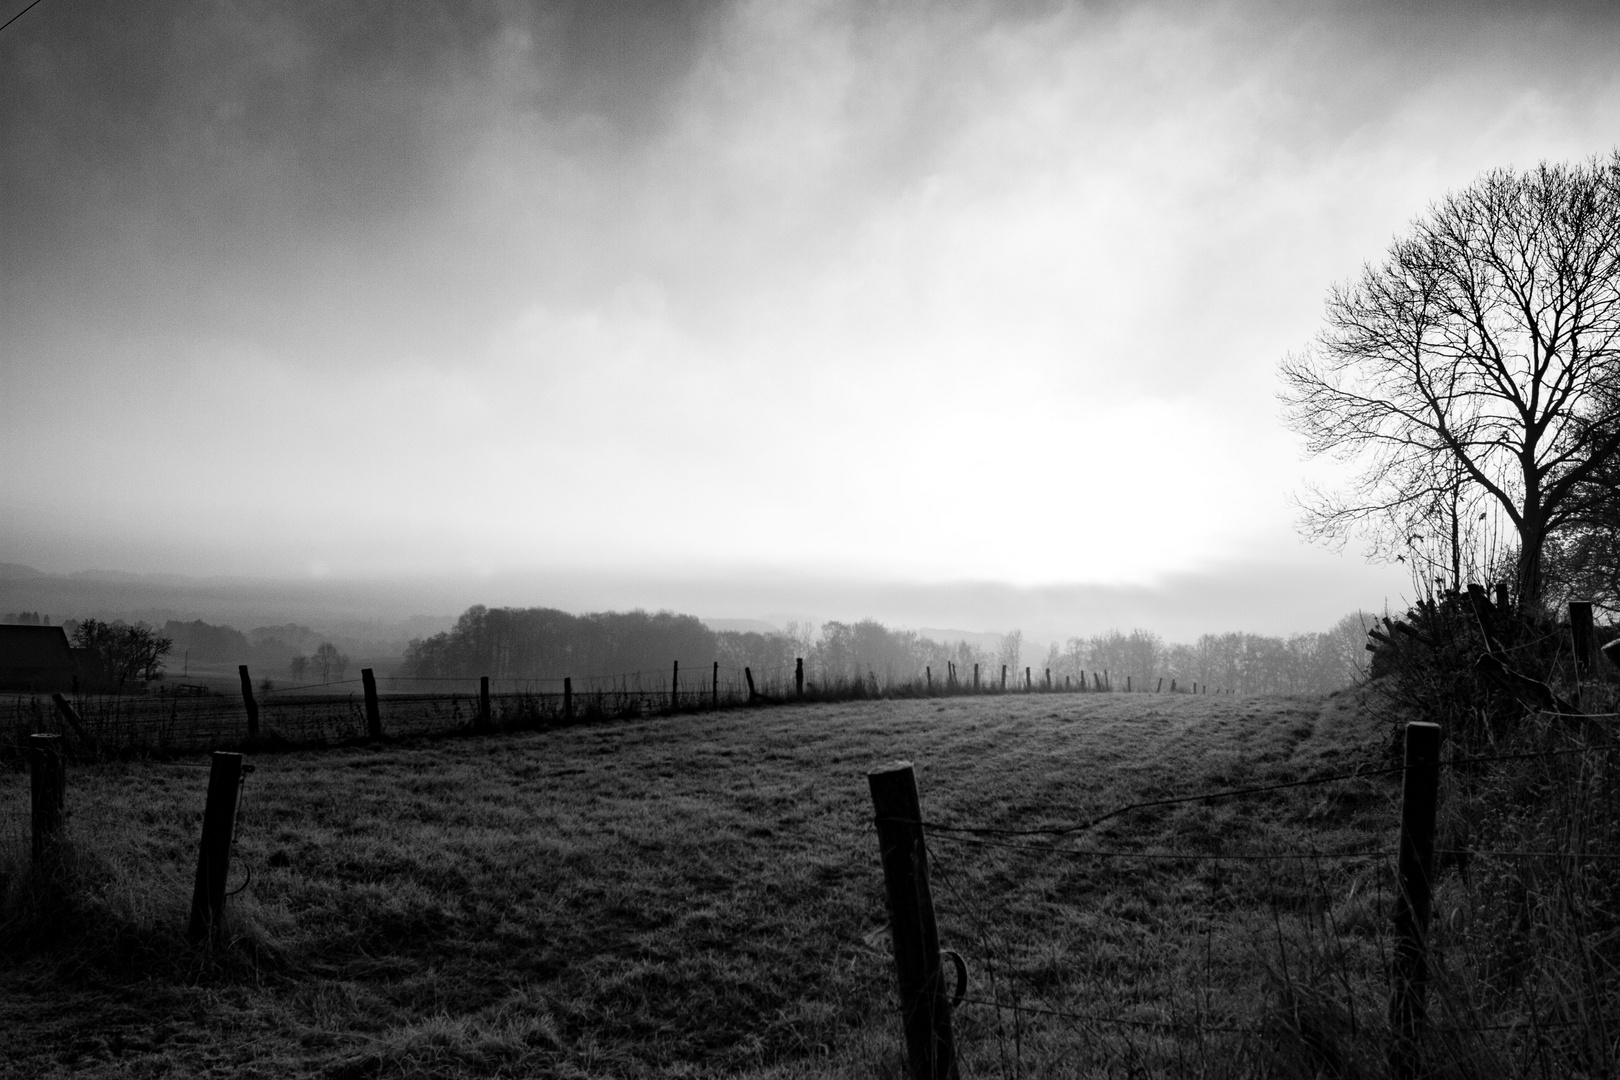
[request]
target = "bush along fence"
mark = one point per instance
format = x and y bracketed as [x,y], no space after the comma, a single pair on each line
[53,817]
[371,707]
[1402,938]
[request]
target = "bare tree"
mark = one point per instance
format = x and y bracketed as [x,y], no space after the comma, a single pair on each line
[1012,648]
[1474,366]
[324,661]
[124,653]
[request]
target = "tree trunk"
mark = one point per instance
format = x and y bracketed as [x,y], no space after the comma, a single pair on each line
[1532,537]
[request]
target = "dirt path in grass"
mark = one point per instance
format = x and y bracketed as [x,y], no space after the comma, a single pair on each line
[682,895]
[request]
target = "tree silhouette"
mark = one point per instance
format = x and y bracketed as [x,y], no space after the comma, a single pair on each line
[1475,367]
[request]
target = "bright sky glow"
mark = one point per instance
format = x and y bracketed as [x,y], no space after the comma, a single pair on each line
[920,293]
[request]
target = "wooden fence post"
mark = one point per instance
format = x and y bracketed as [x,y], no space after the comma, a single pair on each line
[716,684]
[925,1009]
[1580,629]
[368,682]
[568,697]
[675,686]
[1127,684]
[1029,684]
[1049,678]
[975,678]
[214,854]
[248,702]
[67,712]
[1419,793]
[798,676]
[748,673]
[928,678]
[1160,687]
[484,721]
[1003,678]
[47,770]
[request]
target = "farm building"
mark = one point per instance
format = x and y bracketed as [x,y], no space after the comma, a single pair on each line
[39,659]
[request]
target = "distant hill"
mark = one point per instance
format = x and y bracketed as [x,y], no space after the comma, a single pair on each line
[742,626]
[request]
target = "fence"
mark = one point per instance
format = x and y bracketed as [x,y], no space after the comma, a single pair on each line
[190,718]
[188,816]
[1395,950]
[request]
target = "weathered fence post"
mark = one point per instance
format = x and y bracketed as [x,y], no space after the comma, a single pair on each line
[568,697]
[1172,686]
[1419,792]
[1580,629]
[798,676]
[716,684]
[47,770]
[368,682]
[1004,678]
[66,711]
[1160,687]
[675,686]
[748,673]
[248,702]
[1127,684]
[928,678]
[1029,684]
[925,1009]
[1049,678]
[214,854]
[975,678]
[484,722]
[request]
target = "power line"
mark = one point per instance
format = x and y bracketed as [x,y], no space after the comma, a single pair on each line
[19,15]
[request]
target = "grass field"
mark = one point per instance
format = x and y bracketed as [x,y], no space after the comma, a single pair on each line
[700,895]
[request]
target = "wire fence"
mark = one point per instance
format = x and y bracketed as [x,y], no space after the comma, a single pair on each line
[141,827]
[189,717]
[335,712]
[1299,921]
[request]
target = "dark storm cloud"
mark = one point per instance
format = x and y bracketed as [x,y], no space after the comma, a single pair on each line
[242,148]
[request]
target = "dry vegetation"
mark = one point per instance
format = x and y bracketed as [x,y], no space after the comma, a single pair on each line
[700,895]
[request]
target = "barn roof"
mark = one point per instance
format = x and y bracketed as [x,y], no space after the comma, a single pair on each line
[34,647]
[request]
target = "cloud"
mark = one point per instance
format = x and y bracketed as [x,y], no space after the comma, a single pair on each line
[943,292]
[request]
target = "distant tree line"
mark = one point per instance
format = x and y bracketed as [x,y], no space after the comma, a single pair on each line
[1240,662]
[547,643]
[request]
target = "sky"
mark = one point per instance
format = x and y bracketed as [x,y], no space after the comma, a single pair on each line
[751,307]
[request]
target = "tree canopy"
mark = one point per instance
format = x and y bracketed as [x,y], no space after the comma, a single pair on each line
[1474,373]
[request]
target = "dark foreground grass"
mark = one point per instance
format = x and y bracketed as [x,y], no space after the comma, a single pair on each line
[700,895]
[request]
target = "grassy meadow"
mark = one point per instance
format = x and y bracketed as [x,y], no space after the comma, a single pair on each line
[700,895]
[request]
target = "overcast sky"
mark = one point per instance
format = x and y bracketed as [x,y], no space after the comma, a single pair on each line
[916,295]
